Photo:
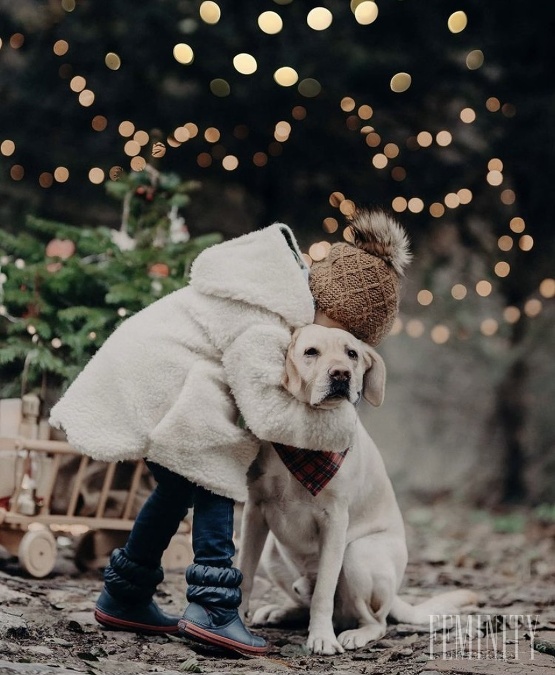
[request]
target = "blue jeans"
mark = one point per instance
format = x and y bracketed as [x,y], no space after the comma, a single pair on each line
[161,514]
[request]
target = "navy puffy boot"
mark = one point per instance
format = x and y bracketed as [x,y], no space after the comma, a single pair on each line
[126,602]
[211,616]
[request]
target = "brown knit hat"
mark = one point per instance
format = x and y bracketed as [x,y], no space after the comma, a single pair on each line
[358,284]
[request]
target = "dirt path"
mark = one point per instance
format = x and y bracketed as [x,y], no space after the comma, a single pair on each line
[46,625]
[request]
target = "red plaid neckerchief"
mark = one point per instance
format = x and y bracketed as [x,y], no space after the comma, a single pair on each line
[312,468]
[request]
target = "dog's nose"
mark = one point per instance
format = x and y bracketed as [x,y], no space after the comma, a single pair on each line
[340,374]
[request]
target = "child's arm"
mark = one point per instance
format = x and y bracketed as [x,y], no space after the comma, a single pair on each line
[254,366]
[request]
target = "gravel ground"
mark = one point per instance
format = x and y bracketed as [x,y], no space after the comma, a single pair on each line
[46,625]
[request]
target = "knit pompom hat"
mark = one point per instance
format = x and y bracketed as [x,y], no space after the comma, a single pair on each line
[358,284]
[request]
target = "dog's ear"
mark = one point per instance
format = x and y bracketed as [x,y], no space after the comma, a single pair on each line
[291,379]
[373,388]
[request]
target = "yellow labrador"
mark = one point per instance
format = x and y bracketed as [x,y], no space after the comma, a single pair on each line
[340,555]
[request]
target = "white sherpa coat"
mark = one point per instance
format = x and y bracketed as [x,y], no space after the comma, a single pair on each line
[160,386]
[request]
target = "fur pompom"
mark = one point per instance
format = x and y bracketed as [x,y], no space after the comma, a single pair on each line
[379,234]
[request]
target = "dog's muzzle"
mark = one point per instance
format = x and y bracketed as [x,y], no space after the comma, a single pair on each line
[338,389]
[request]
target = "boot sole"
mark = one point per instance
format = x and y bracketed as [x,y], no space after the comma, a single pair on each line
[205,636]
[131,626]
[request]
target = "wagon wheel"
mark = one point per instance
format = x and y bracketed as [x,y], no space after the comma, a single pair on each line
[179,553]
[37,552]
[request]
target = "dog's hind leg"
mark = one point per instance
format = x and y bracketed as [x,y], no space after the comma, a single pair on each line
[366,591]
[282,573]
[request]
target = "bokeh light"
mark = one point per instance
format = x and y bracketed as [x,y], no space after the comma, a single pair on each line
[286,76]
[270,22]
[210,12]
[112,61]
[366,12]
[245,64]
[183,54]
[319,18]
[400,82]
[457,22]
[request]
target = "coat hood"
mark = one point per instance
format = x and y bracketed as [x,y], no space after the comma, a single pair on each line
[264,268]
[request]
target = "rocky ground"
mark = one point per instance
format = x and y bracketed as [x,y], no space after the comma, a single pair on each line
[46,625]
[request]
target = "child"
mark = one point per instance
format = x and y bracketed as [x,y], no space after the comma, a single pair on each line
[159,388]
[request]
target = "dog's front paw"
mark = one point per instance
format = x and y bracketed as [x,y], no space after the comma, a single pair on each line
[325,644]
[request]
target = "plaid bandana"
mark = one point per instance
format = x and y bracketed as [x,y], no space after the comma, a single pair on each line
[312,468]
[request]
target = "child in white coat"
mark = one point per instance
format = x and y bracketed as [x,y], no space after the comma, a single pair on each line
[165,387]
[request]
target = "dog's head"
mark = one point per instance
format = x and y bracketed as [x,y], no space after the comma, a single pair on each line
[326,366]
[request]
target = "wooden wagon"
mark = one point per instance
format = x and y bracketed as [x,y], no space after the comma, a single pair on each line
[30,472]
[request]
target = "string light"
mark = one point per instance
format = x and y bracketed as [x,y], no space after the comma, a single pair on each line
[547,288]
[425,297]
[475,59]
[415,205]
[210,12]
[183,54]
[260,159]
[467,115]
[348,104]
[505,243]
[437,210]
[415,328]
[77,83]
[60,48]
[440,334]
[502,269]
[220,87]
[366,13]
[493,104]
[511,314]
[399,204]
[489,327]
[286,76]
[533,307]
[319,18]
[330,225]
[309,87]
[7,148]
[457,22]
[517,224]
[112,61]
[270,23]
[400,82]
[96,176]
[526,242]
[245,64]
[99,123]
[459,292]
[61,174]
[230,162]
[424,139]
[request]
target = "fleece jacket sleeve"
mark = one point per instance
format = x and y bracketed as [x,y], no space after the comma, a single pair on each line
[254,365]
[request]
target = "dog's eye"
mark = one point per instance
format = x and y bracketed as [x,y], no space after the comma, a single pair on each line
[311,351]
[352,354]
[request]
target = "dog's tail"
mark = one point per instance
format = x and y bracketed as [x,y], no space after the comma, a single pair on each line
[443,604]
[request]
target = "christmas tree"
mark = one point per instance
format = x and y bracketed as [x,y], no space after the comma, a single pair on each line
[64,288]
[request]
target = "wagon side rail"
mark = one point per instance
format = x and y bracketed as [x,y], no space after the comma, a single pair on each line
[56,450]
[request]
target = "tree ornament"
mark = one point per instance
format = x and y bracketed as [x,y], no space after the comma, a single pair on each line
[158,150]
[60,248]
[122,240]
[159,270]
[179,232]
[115,172]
